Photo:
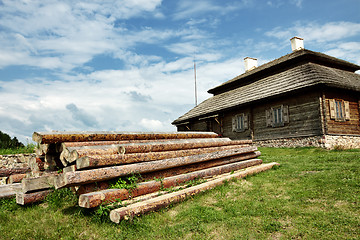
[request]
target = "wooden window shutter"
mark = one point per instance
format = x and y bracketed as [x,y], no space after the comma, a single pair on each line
[268,117]
[347,110]
[246,121]
[332,108]
[285,110]
[234,123]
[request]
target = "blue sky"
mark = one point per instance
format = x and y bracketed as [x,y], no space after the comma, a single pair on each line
[127,65]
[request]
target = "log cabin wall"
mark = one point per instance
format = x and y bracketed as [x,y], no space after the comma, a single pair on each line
[228,128]
[349,126]
[304,118]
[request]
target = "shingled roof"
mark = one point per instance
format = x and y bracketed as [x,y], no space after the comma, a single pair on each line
[302,69]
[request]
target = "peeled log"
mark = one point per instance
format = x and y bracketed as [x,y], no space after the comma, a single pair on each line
[102,174]
[27,198]
[117,159]
[165,200]
[55,137]
[5,172]
[94,199]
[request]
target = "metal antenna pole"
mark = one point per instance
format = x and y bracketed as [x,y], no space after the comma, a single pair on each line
[195,82]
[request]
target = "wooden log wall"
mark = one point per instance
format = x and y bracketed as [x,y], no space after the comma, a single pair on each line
[91,165]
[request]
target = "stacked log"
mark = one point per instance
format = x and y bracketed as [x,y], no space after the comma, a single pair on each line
[88,162]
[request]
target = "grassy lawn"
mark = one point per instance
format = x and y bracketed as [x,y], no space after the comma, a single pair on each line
[314,194]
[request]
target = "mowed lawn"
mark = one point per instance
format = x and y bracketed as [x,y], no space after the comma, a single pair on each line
[314,194]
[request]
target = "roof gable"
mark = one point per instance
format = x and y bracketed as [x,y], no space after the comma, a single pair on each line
[292,79]
[295,58]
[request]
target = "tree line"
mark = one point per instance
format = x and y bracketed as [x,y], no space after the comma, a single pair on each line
[7,142]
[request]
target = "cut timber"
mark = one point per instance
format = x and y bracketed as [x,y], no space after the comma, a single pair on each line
[102,174]
[5,172]
[8,190]
[173,145]
[97,186]
[16,178]
[65,145]
[165,200]
[94,199]
[27,198]
[55,137]
[198,166]
[92,187]
[150,146]
[117,159]
[36,164]
[37,183]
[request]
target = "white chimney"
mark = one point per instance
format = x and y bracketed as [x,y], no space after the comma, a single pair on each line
[297,44]
[250,63]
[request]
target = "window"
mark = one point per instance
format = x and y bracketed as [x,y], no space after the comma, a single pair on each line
[339,110]
[240,122]
[277,116]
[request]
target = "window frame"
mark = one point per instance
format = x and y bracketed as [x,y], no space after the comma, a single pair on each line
[277,116]
[339,110]
[240,122]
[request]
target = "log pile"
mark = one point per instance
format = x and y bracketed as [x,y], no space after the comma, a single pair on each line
[90,162]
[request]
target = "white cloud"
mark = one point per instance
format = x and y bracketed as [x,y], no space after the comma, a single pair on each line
[313,31]
[151,124]
[188,9]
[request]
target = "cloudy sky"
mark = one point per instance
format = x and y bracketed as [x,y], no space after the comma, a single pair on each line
[127,65]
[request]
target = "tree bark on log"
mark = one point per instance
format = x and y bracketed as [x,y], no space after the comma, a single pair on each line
[27,198]
[156,203]
[102,174]
[5,172]
[55,137]
[100,143]
[198,166]
[117,159]
[97,186]
[148,146]
[94,199]
[16,178]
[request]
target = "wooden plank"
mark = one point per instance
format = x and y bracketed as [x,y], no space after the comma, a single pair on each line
[9,190]
[102,174]
[92,161]
[153,204]
[94,199]
[37,183]
[27,198]
[56,137]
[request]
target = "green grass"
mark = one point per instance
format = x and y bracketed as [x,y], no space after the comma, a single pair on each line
[314,194]
[27,149]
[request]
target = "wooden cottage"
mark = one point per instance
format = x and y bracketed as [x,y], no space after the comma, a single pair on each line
[303,98]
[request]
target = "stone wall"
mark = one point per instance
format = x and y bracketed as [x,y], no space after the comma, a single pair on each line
[14,161]
[325,141]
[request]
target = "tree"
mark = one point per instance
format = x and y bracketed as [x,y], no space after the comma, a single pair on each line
[6,141]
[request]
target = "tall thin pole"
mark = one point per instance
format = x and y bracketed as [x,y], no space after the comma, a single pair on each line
[195,83]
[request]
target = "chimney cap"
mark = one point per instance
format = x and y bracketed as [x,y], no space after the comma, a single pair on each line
[297,43]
